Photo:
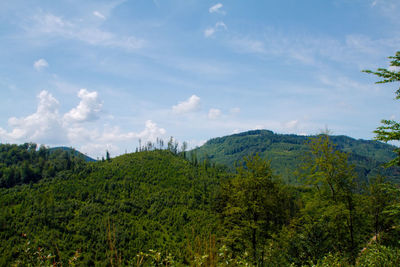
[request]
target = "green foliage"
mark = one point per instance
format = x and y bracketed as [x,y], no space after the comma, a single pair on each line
[151,199]
[390,130]
[382,201]
[255,205]
[156,208]
[285,151]
[379,256]
[389,76]
[24,164]
[329,221]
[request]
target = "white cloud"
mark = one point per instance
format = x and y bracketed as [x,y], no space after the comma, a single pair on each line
[47,126]
[49,24]
[99,15]
[216,9]
[214,113]
[40,64]
[209,32]
[151,131]
[88,108]
[218,26]
[190,105]
[43,126]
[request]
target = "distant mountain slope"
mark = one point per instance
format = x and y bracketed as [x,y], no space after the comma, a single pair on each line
[286,152]
[72,150]
[26,163]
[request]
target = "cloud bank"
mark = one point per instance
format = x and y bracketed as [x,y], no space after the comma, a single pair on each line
[74,128]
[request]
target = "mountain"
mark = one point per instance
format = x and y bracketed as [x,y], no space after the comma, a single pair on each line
[73,152]
[26,163]
[286,152]
[132,203]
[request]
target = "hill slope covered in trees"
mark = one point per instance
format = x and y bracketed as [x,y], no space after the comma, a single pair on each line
[132,203]
[286,152]
[154,208]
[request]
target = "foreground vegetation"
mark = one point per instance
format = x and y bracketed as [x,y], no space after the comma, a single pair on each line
[154,207]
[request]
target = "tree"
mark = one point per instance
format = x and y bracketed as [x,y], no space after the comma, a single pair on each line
[382,196]
[255,207]
[108,158]
[390,130]
[333,206]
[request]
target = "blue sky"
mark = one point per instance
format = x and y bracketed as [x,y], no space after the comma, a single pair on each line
[99,75]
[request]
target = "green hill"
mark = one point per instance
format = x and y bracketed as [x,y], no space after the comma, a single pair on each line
[145,208]
[26,163]
[286,152]
[72,151]
[135,202]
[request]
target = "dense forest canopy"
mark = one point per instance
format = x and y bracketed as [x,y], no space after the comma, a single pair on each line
[286,151]
[24,164]
[160,206]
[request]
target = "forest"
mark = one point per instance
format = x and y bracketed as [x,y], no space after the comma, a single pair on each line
[165,206]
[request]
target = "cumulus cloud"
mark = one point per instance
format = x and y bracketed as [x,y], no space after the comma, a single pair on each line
[216,9]
[190,105]
[151,131]
[88,108]
[48,126]
[40,64]
[99,15]
[49,24]
[97,142]
[43,126]
[211,30]
[214,113]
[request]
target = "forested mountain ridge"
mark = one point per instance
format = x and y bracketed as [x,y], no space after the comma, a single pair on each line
[73,151]
[287,151]
[132,203]
[26,163]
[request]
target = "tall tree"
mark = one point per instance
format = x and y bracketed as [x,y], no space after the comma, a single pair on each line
[334,202]
[254,208]
[390,130]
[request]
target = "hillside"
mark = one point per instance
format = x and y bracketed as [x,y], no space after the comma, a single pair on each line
[26,163]
[286,152]
[72,151]
[155,208]
[135,202]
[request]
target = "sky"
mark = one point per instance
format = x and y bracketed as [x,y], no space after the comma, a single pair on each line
[100,75]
